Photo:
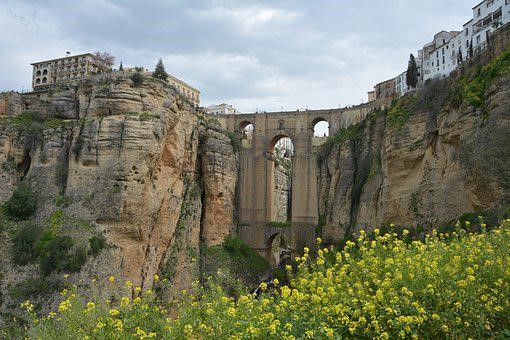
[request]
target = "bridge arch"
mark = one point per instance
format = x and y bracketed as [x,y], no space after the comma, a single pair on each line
[277,247]
[320,127]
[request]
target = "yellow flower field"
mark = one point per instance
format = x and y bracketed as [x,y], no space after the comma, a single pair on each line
[454,286]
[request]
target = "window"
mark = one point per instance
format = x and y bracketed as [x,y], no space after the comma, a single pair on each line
[44,80]
[478,12]
[443,59]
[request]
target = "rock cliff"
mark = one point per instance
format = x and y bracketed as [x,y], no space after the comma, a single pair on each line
[135,162]
[423,162]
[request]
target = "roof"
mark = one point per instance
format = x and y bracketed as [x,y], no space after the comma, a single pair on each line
[479,4]
[67,57]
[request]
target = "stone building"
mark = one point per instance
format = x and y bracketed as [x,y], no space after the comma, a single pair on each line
[187,90]
[62,70]
[385,89]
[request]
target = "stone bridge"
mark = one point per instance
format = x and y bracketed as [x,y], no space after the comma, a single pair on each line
[256,173]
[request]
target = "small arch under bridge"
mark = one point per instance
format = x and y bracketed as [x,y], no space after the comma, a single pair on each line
[256,171]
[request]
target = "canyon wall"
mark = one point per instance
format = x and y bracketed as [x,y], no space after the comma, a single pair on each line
[137,163]
[441,162]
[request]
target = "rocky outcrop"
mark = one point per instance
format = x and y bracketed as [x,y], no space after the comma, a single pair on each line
[440,164]
[136,162]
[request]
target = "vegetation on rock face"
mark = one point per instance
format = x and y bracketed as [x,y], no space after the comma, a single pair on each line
[351,133]
[447,286]
[231,262]
[276,224]
[137,78]
[51,248]
[23,203]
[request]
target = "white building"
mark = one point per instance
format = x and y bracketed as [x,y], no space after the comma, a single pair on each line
[221,109]
[441,55]
[448,49]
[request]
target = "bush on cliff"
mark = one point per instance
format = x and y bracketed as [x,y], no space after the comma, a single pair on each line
[24,248]
[22,204]
[448,286]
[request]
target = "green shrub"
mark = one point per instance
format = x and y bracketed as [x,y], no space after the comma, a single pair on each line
[35,287]
[275,224]
[137,78]
[55,254]
[96,243]
[24,248]
[63,201]
[76,260]
[23,203]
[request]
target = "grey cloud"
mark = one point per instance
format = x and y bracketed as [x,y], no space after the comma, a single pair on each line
[254,54]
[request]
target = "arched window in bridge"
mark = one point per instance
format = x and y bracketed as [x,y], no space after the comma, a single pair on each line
[320,127]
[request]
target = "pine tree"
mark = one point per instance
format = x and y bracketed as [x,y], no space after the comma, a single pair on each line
[121,68]
[160,72]
[412,72]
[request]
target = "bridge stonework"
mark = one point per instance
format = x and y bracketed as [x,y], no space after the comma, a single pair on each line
[256,170]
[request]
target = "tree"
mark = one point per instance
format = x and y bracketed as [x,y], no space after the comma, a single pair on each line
[412,72]
[160,72]
[121,68]
[104,60]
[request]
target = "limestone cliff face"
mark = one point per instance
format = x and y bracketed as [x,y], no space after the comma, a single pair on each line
[137,162]
[430,170]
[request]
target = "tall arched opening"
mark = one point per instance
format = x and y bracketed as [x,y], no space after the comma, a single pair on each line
[278,249]
[320,127]
[280,170]
[246,129]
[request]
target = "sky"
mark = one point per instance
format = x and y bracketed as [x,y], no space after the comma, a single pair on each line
[256,55]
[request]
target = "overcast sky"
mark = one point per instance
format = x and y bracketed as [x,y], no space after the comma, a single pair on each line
[253,54]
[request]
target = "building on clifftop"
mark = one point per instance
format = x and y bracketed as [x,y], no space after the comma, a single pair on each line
[63,70]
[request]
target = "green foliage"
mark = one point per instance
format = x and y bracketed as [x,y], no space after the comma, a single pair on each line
[351,133]
[63,201]
[58,255]
[22,204]
[472,90]
[234,141]
[231,262]
[159,72]
[35,287]
[149,116]
[276,224]
[137,78]
[398,115]
[96,244]
[55,123]
[412,73]
[24,244]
